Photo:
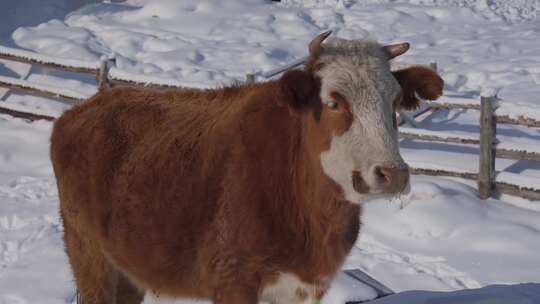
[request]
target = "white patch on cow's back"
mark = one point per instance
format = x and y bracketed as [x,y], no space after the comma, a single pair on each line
[285,290]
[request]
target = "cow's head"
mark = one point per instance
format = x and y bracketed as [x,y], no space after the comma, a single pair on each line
[348,98]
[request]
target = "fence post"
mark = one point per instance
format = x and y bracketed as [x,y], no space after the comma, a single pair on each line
[250,78]
[433,65]
[488,129]
[103,72]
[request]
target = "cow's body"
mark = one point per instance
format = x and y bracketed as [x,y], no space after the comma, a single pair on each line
[222,205]
[219,194]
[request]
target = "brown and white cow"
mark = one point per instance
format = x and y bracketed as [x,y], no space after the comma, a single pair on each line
[239,194]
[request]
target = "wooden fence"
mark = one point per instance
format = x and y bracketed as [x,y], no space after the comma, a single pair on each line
[489,182]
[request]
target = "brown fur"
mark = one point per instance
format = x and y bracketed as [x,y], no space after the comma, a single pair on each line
[198,193]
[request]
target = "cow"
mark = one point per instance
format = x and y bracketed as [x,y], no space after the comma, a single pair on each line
[239,194]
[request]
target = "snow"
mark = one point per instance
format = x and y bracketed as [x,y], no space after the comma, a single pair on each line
[443,236]
[167,41]
[25,13]
[147,38]
[33,266]
[344,288]
[489,91]
[440,237]
[515,10]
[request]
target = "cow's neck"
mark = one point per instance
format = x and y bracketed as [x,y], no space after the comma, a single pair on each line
[331,223]
[305,207]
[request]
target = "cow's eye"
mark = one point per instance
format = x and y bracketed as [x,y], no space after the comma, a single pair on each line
[332,104]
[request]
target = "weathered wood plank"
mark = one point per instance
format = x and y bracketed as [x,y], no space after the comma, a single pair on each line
[517,154]
[28,88]
[521,120]
[499,153]
[442,172]
[118,82]
[284,68]
[381,289]
[433,137]
[499,187]
[425,107]
[25,115]
[103,74]
[47,64]
[405,65]
[486,171]
[250,78]
[528,193]
[449,105]
[404,117]
[423,110]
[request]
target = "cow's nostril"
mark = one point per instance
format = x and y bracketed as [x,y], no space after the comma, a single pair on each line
[392,179]
[384,175]
[359,184]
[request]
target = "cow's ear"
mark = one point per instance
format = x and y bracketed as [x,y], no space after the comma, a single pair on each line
[418,81]
[298,89]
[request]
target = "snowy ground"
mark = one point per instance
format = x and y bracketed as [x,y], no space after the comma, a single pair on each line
[440,237]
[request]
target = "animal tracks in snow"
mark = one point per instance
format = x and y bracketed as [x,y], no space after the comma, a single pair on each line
[31,248]
[26,216]
[375,257]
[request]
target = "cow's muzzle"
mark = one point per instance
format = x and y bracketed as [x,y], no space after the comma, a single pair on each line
[393,179]
[382,179]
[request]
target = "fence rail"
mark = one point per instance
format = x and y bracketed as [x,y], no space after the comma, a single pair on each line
[488,185]
[47,91]
[497,186]
[486,176]
[410,133]
[25,115]
[448,105]
[522,120]
[443,172]
[517,154]
[24,56]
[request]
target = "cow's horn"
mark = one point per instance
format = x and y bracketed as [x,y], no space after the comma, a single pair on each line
[315,44]
[395,50]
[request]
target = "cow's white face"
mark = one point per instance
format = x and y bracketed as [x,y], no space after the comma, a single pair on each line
[349,97]
[364,160]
